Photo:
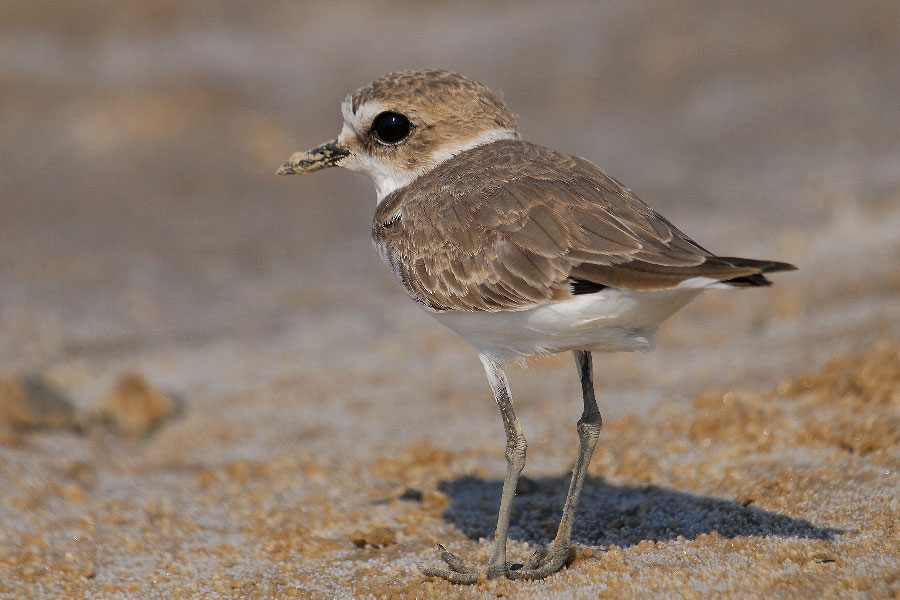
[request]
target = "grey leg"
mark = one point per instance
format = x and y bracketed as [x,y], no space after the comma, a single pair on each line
[589,426]
[541,564]
[515,458]
[515,462]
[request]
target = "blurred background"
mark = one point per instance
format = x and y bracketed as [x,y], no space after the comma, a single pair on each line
[140,210]
[142,227]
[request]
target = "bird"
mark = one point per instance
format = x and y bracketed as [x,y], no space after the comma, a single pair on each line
[521,250]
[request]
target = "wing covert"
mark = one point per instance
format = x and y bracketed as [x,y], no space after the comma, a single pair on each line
[466,236]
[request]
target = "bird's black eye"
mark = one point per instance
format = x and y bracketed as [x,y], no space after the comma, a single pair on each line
[390,127]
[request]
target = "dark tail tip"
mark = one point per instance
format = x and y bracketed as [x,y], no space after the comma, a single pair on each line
[757,279]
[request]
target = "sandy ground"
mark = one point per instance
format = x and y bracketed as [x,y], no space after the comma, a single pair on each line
[209,386]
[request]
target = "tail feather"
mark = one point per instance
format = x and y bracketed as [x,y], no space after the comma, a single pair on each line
[587,278]
[756,279]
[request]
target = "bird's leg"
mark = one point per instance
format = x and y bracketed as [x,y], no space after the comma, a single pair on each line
[515,459]
[542,565]
[516,445]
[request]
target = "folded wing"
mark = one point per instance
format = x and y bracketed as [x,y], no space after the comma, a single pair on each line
[534,226]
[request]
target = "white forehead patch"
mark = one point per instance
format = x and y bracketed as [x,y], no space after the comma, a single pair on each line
[364,116]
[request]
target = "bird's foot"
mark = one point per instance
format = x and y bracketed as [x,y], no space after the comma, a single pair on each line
[540,565]
[459,572]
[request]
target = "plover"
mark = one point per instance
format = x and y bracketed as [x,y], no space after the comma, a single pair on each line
[520,249]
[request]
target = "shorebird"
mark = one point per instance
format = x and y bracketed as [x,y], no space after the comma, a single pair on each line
[520,249]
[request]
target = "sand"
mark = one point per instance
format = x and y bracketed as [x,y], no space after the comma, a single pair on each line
[211,388]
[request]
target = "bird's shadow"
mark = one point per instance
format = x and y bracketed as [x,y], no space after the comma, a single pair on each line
[620,515]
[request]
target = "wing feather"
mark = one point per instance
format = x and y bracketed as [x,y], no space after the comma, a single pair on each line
[528,224]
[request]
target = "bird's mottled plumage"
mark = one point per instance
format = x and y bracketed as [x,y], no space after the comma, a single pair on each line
[510,225]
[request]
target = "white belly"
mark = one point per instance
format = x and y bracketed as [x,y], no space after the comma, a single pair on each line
[607,321]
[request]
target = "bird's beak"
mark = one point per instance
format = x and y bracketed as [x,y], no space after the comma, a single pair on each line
[326,155]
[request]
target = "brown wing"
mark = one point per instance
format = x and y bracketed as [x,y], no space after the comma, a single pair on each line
[529,225]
